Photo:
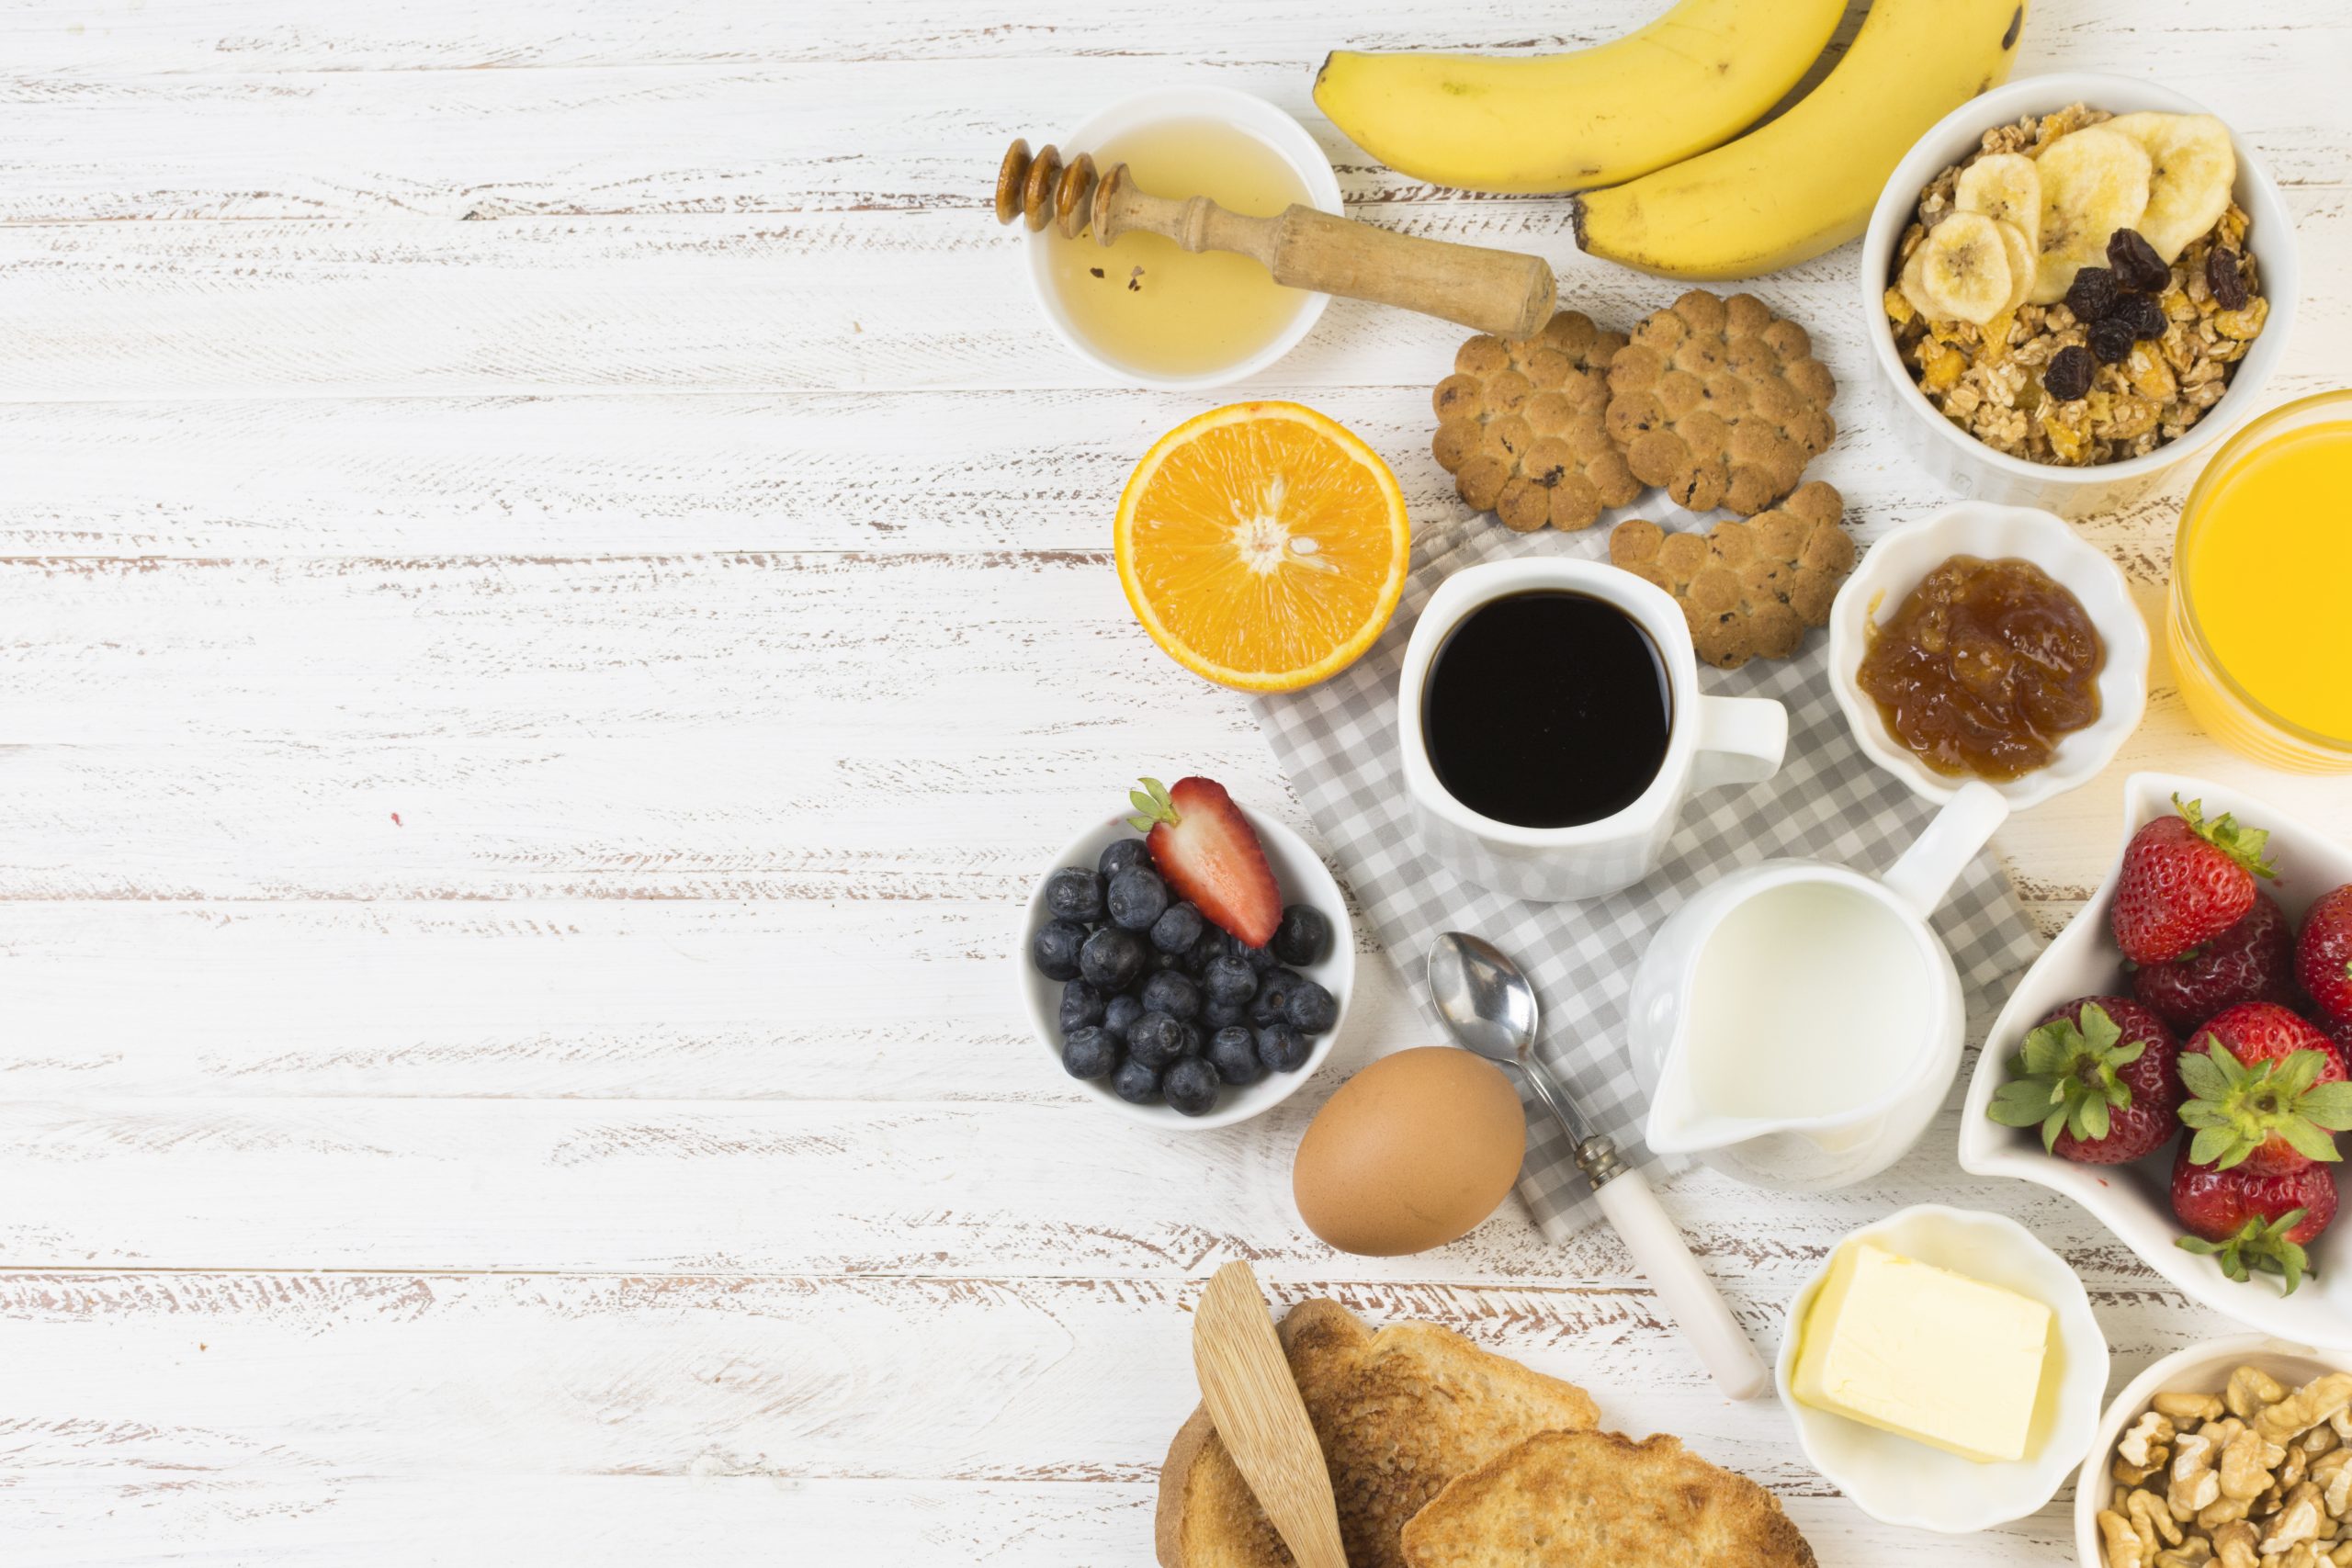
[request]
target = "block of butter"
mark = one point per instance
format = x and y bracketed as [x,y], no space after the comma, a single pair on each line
[1924,1353]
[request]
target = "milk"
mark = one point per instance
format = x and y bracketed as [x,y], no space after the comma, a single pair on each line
[1806,1002]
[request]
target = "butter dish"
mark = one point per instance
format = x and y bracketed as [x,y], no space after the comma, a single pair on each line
[1903,1481]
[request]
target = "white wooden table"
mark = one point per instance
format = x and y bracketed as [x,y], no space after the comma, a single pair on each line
[555,598]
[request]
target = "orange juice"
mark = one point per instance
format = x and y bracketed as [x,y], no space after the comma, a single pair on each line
[1156,308]
[2262,589]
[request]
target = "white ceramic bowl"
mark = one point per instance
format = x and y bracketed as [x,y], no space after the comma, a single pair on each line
[1893,567]
[1304,880]
[1901,1481]
[1958,458]
[2200,1368]
[2133,1201]
[1260,119]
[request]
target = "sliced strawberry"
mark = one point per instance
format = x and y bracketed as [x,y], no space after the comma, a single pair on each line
[2184,881]
[2245,1221]
[2097,1076]
[2254,961]
[1210,855]
[2323,954]
[2267,1090]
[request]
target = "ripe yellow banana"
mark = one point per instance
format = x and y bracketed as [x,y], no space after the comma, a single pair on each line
[1689,81]
[1806,181]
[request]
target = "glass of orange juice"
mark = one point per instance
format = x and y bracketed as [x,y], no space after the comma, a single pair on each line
[2260,620]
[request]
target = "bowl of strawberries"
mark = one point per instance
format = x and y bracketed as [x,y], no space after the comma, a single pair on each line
[2176,1060]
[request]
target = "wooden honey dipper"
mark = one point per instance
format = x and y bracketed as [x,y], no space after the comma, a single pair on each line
[1504,292]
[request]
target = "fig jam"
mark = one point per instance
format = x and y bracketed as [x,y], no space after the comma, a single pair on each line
[1984,668]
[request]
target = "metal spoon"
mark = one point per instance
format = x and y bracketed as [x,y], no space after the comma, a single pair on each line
[1490,1005]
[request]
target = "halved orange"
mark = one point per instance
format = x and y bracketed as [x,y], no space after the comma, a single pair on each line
[1263,546]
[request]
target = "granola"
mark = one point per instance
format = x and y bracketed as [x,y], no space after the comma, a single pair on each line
[1990,379]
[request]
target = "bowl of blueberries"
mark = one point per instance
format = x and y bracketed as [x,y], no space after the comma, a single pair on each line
[1154,1008]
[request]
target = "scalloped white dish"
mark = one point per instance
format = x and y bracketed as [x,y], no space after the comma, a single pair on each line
[1901,1481]
[1303,879]
[2132,1200]
[1893,567]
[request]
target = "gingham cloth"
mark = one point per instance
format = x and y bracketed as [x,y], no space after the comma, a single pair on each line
[1339,743]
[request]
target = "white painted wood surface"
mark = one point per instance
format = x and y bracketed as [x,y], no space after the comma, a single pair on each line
[553,598]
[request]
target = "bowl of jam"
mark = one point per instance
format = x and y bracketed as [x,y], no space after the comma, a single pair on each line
[1989,643]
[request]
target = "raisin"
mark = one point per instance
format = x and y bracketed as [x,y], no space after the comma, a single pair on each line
[2092,294]
[2225,278]
[2143,313]
[2112,340]
[2069,376]
[2137,265]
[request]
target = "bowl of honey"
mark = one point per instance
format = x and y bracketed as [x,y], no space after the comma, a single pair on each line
[1144,309]
[2262,589]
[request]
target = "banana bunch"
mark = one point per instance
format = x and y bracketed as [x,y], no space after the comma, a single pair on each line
[1640,115]
[2020,228]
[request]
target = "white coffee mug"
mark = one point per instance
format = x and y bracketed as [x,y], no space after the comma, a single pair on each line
[1710,741]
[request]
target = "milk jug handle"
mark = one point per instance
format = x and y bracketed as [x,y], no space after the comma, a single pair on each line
[1741,740]
[1937,857]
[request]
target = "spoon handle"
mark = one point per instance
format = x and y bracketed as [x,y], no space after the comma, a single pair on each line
[1683,1289]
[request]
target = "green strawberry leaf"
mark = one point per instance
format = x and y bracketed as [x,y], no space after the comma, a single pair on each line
[2261,1245]
[2308,1141]
[2243,845]
[2329,1106]
[2202,1074]
[2220,1148]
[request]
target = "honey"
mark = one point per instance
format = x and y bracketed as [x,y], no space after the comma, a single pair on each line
[1155,307]
[2262,589]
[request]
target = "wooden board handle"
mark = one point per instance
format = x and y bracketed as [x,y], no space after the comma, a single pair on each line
[1506,293]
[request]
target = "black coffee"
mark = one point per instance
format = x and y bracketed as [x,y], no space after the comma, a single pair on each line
[1546,709]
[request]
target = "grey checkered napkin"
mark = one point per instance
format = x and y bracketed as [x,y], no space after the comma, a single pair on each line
[1339,743]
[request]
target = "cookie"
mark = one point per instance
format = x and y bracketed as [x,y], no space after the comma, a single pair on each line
[1720,403]
[1520,426]
[1749,590]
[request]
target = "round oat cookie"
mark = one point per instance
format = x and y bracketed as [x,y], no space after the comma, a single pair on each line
[1720,403]
[1749,590]
[1519,426]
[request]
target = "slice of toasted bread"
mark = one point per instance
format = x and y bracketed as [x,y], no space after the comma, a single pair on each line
[1601,1500]
[1399,1413]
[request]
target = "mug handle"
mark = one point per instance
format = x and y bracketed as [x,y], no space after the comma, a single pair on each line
[1935,860]
[1741,740]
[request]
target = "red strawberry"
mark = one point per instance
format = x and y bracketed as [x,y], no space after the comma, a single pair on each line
[2267,1090]
[2254,961]
[2324,953]
[2185,881]
[2247,1221]
[2097,1076]
[1209,853]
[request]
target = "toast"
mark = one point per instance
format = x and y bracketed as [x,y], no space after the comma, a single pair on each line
[1601,1500]
[1399,1412]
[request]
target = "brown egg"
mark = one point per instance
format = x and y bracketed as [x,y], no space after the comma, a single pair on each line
[1412,1152]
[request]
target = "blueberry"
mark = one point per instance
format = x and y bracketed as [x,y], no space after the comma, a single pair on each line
[1074,893]
[1134,1083]
[1281,1048]
[1165,963]
[1260,959]
[1137,899]
[1053,950]
[1228,979]
[1119,1015]
[1190,1086]
[1155,1040]
[1233,1052]
[1273,1003]
[1173,993]
[1302,936]
[1202,952]
[1311,1009]
[1224,1015]
[1178,928]
[1119,854]
[1089,1052]
[1111,958]
[1081,1005]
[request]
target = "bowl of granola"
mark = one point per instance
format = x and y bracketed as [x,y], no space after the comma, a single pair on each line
[2074,282]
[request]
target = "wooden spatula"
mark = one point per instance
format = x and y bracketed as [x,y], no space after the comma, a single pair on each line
[1246,1385]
